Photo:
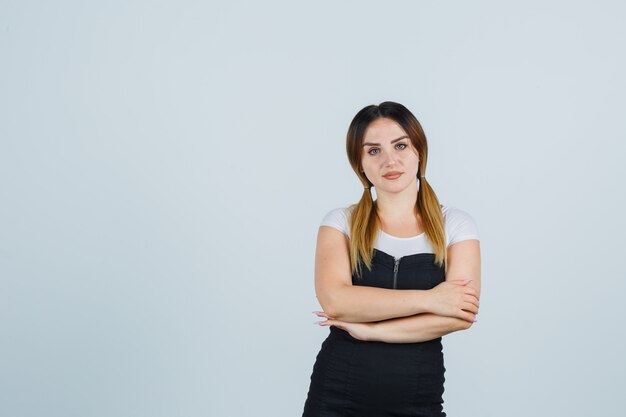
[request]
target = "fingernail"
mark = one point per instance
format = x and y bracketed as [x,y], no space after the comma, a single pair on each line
[476,319]
[318,322]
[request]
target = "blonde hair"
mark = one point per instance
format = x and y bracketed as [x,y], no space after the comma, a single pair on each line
[364,221]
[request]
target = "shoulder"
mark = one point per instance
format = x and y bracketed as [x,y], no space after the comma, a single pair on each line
[339,219]
[459,224]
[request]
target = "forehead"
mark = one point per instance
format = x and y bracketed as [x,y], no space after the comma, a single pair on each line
[383,131]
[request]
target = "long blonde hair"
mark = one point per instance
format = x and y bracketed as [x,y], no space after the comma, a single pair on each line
[364,222]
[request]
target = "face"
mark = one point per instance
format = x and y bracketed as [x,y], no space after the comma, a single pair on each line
[387,149]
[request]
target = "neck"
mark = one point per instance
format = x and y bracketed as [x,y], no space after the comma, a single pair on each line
[397,206]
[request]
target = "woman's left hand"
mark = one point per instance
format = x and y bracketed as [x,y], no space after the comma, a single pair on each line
[360,331]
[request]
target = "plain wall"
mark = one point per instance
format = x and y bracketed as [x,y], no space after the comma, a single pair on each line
[164,167]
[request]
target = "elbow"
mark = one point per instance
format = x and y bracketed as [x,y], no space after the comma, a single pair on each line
[329,306]
[329,310]
[334,304]
[333,310]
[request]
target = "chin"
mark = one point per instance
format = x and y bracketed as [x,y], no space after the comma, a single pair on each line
[394,188]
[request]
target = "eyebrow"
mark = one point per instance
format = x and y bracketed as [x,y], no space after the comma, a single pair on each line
[393,141]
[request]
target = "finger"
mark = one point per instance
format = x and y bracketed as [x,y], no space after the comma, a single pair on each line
[322,314]
[466,315]
[336,323]
[471,308]
[473,296]
[470,317]
[471,299]
[330,322]
[460,281]
[471,291]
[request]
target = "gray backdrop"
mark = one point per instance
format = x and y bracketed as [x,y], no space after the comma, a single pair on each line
[165,167]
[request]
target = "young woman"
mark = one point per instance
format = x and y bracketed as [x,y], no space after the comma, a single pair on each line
[393,276]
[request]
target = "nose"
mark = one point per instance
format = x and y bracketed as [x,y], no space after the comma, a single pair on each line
[391,160]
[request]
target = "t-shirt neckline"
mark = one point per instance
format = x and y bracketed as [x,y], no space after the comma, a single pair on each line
[403,238]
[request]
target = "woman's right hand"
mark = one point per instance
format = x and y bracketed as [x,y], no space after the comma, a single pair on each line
[454,299]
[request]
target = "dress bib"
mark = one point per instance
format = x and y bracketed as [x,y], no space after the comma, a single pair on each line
[355,378]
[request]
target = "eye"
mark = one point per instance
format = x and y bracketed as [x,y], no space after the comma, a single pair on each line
[402,144]
[372,149]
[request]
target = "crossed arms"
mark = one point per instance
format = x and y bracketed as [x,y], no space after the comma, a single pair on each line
[396,316]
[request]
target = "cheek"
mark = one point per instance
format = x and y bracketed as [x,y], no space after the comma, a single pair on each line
[371,167]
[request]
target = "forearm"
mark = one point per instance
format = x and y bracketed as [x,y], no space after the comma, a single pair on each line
[358,304]
[417,328]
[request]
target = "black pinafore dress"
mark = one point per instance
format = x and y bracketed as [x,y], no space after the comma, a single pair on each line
[355,378]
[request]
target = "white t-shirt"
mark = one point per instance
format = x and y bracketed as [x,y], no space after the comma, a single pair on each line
[458,225]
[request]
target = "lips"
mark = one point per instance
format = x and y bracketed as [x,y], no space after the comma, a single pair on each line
[392,175]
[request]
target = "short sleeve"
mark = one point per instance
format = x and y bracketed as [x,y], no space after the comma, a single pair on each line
[460,225]
[337,218]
